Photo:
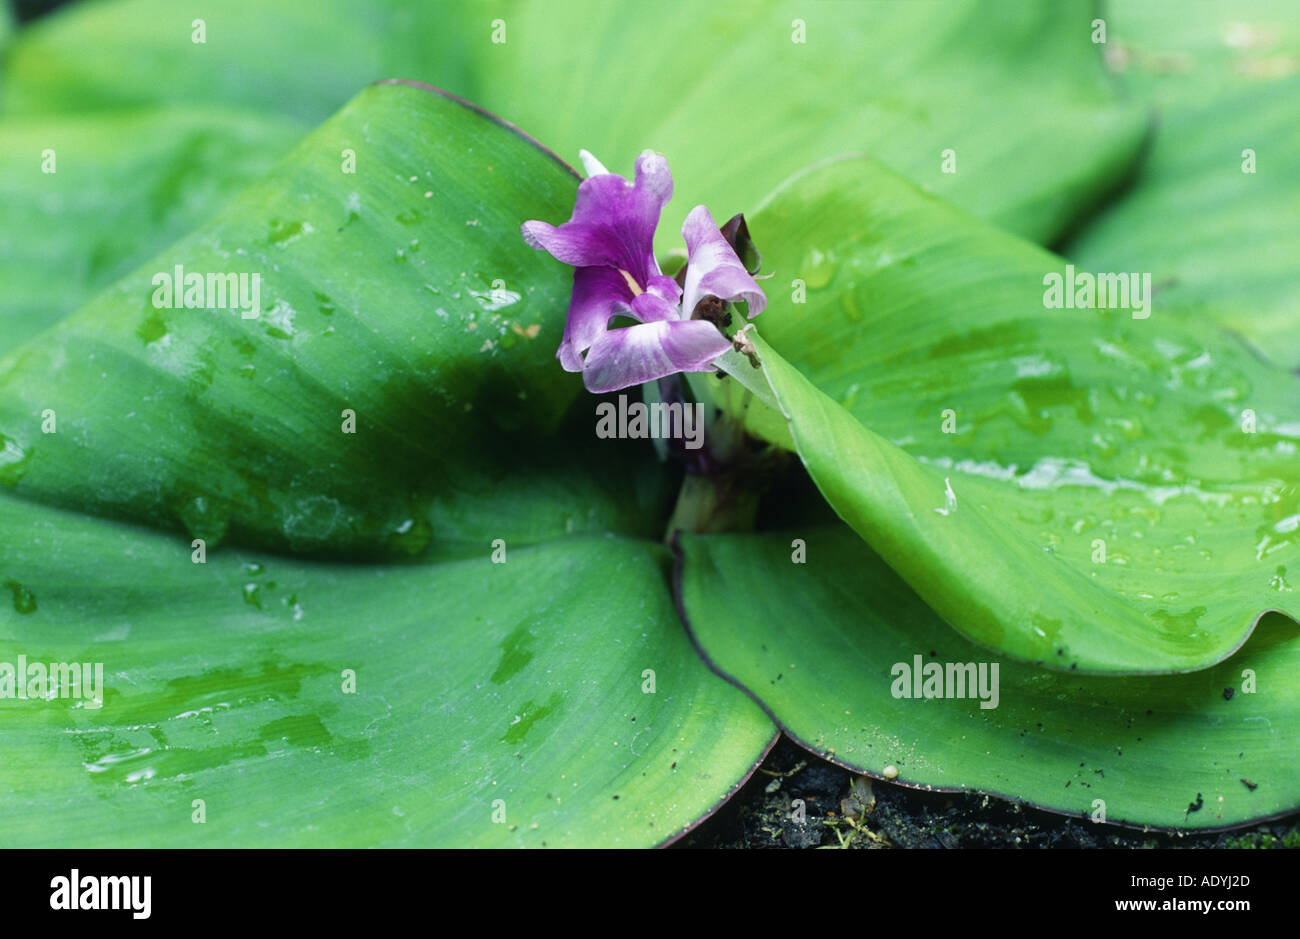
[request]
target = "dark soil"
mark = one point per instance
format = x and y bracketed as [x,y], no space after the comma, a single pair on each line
[760,816]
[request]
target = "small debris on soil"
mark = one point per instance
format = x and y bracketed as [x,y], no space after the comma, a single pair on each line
[860,799]
[838,809]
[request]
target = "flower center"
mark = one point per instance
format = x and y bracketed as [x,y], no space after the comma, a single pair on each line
[631,283]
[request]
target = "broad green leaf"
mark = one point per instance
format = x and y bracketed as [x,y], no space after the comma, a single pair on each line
[1115,494]
[1214,213]
[559,682]
[1174,53]
[738,94]
[819,641]
[84,200]
[734,98]
[302,58]
[398,298]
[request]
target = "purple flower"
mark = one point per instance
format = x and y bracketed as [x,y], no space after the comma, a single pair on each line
[609,241]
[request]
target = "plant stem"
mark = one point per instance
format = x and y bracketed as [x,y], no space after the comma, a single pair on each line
[710,504]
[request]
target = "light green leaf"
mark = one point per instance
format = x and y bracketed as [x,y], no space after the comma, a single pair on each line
[728,92]
[84,200]
[1175,53]
[302,58]
[398,299]
[818,644]
[1214,213]
[559,682]
[521,676]
[1114,494]
[739,94]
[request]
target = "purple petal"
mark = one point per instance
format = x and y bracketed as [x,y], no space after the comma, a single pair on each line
[652,174]
[713,270]
[621,358]
[613,222]
[598,293]
[665,287]
[576,245]
[659,301]
[652,308]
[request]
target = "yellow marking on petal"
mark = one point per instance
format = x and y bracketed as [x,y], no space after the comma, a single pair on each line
[631,283]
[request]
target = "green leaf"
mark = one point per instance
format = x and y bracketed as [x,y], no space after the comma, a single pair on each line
[1218,240]
[524,648]
[1099,503]
[1019,95]
[84,200]
[1176,53]
[302,58]
[726,91]
[818,643]
[400,297]
[526,681]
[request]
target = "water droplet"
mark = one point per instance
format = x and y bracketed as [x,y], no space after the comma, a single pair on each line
[152,329]
[283,233]
[14,461]
[24,599]
[950,498]
[818,268]
[1180,625]
[530,713]
[324,305]
[110,759]
[280,321]
[492,300]
[412,535]
[203,519]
